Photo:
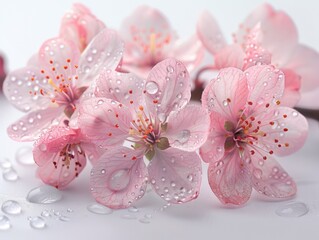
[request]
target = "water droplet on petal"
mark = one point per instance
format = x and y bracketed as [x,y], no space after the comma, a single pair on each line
[170,69]
[293,209]
[4,222]
[184,136]
[37,222]
[151,87]
[225,103]
[10,175]
[44,195]
[11,207]
[294,114]
[99,209]
[5,163]
[24,156]
[119,179]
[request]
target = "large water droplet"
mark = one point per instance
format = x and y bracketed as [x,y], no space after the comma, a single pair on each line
[37,222]
[11,207]
[293,209]
[119,180]
[184,136]
[10,175]
[151,87]
[5,163]
[4,222]
[24,156]
[145,220]
[44,195]
[99,209]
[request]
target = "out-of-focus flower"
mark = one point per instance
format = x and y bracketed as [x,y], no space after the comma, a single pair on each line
[2,72]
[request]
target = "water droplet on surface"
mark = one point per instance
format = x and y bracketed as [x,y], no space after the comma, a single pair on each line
[69,210]
[24,156]
[64,218]
[11,207]
[37,222]
[10,175]
[46,213]
[144,220]
[133,209]
[4,222]
[151,87]
[119,179]
[44,195]
[99,209]
[184,136]
[129,216]
[293,209]
[5,163]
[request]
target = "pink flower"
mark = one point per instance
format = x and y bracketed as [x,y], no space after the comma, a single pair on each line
[80,26]
[2,72]
[266,36]
[61,154]
[154,117]
[51,86]
[248,127]
[150,39]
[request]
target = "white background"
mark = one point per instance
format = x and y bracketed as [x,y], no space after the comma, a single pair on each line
[24,25]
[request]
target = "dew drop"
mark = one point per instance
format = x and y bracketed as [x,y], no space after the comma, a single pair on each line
[46,213]
[4,222]
[94,51]
[64,218]
[69,210]
[144,220]
[24,156]
[11,207]
[87,69]
[294,114]
[90,58]
[37,222]
[151,87]
[5,163]
[10,175]
[293,209]
[119,180]
[184,136]
[44,195]
[133,209]
[170,69]
[99,102]
[99,209]
[225,103]
[190,177]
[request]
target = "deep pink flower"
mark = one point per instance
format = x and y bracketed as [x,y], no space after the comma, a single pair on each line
[266,36]
[61,154]
[80,26]
[2,72]
[248,128]
[154,117]
[50,87]
[150,39]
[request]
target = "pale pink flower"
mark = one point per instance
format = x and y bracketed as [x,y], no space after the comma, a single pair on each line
[248,128]
[2,72]
[266,36]
[50,87]
[154,117]
[61,154]
[80,26]
[149,39]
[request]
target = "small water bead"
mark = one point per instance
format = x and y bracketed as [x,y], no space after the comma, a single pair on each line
[24,156]
[151,87]
[100,102]
[11,207]
[129,216]
[87,69]
[94,51]
[144,220]
[10,175]
[225,103]
[4,222]
[184,136]
[170,69]
[89,58]
[5,163]
[133,209]
[44,195]
[295,114]
[293,209]
[64,218]
[118,81]
[97,208]
[46,213]
[37,222]
[69,210]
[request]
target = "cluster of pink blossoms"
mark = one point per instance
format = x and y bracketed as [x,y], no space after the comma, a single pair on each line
[121,99]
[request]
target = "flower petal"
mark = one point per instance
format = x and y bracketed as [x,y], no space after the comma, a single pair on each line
[213,149]
[59,161]
[271,179]
[104,121]
[119,177]
[29,127]
[227,94]
[80,26]
[175,175]
[229,179]
[167,88]
[209,33]
[292,88]
[20,86]
[230,56]
[104,52]
[187,129]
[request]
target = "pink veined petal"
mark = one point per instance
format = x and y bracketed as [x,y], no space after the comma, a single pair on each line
[213,149]
[230,179]
[286,131]
[104,121]
[29,127]
[126,88]
[190,52]
[50,153]
[187,129]
[33,61]
[230,56]
[175,175]
[292,88]
[58,56]
[227,94]
[119,177]
[266,86]
[167,88]
[209,33]
[147,35]
[92,151]
[305,61]
[80,26]
[104,52]
[271,179]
